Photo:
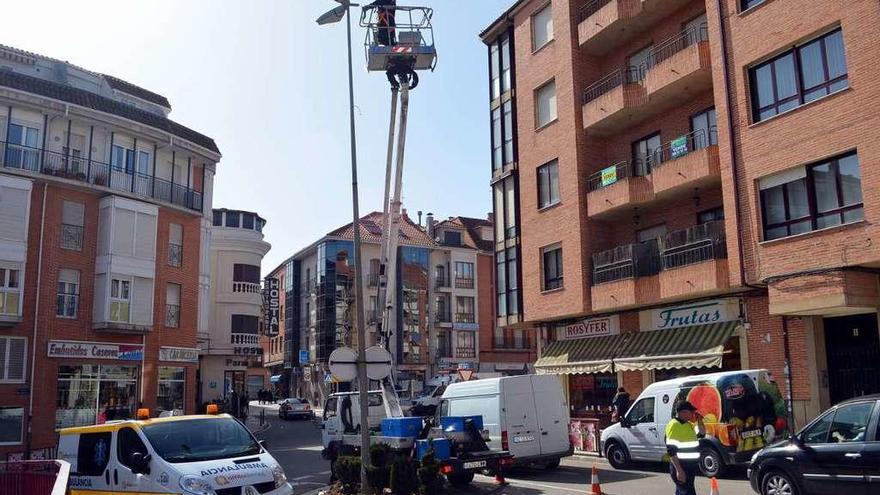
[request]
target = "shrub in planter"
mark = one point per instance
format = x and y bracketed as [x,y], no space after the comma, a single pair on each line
[379,471]
[348,471]
[403,477]
[430,481]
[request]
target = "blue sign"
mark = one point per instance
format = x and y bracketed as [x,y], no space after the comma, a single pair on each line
[303,356]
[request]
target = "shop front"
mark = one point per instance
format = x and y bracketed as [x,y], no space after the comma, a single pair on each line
[176,368]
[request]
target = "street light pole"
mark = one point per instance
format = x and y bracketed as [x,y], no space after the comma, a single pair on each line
[333,16]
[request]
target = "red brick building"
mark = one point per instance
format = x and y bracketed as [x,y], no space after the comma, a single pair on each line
[102,212]
[683,181]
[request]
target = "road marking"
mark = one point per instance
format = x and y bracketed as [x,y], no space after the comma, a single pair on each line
[552,488]
[310,448]
[298,478]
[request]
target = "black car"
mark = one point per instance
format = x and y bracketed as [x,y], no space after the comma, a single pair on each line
[839,452]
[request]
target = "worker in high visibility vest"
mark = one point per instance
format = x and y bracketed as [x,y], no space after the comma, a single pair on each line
[385,23]
[683,447]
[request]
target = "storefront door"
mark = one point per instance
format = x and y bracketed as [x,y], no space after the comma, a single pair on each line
[852,344]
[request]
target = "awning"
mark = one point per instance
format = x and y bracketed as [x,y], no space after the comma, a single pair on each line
[274,378]
[700,346]
[590,355]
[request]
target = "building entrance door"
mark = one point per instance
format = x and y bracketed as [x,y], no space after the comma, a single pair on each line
[852,344]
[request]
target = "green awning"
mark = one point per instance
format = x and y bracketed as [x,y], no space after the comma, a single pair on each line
[700,346]
[589,355]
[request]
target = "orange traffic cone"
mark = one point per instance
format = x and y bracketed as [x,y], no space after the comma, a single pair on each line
[499,478]
[713,487]
[596,489]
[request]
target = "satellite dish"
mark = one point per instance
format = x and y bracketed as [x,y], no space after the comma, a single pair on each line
[343,364]
[378,362]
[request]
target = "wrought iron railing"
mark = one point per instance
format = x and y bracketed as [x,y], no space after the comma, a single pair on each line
[465,352]
[591,8]
[464,318]
[64,165]
[679,147]
[669,47]
[441,282]
[172,315]
[627,261]
[628,75]
[464,282]
[606,177]
[71,237]
[694,245]
[175,255]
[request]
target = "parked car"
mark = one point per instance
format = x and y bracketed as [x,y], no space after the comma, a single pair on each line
[839,452]
[295,408]
[742,410]
[525,415]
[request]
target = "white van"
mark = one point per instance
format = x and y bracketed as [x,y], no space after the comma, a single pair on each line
[525,415]
[193,455]
[742,410]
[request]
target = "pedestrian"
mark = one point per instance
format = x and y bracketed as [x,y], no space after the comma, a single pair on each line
[619,404]
[260,396]
[244,407]
[683,447]
[233,403]
[271,397]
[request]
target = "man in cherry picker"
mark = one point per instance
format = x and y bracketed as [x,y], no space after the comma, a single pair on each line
[385,21]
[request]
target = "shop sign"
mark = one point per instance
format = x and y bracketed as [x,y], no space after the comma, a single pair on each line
[95,350]
[247,351]
[239,363]
[679,146]
[271,293]
[303,356]
[592,327]
[183,354]
[509,366]
[702,313]
[465,326]
[609,175]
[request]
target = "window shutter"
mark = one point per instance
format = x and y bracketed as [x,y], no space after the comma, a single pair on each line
[13,212]
[3,344]
[175,233]
[15,367]
[145,243]
[142,301]
[123,232]
[785,177]
[172,295]
[68,276]
[72,213]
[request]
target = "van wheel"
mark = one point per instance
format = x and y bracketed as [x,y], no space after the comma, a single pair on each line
[551,465]
[460,479]
[617,456]
[711,463]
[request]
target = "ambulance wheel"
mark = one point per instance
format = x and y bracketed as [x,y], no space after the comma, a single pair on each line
[711,463]
[617,455]
[460,479]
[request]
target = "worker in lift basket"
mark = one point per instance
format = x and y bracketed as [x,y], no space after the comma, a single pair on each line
[385,24]
[683,447]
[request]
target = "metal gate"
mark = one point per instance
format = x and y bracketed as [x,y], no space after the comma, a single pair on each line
[852,344]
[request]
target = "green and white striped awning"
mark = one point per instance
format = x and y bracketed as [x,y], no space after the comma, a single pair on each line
[590,355]
[700,346]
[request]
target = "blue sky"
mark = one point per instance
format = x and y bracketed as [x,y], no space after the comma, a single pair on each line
[270,86]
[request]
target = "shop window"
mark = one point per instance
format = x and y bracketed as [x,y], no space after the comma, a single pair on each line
[120,300]
[11,425]
[90,394]
[12,359]
[172,386]
[67,299]
[93,453]
[127,444]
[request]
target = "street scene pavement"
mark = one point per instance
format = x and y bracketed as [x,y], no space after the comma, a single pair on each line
[296,444]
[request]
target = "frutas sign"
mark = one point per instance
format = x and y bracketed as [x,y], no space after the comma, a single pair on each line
[702,313]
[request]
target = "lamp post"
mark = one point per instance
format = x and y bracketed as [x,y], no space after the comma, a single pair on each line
[333,16]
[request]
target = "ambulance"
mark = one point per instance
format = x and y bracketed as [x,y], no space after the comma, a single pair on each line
[212,454]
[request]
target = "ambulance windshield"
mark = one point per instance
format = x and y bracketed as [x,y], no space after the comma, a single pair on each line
[200,439]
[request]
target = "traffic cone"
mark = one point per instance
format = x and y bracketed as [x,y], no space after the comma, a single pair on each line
[596,489]
[713,487]
[499,478]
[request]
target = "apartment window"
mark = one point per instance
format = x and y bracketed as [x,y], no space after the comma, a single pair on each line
[545,104]
[507,109]
[245,324]
[144,163]
[12,359]
[452,238]
[704,128]
[651,233]
[73,152]
[542,27]
[10,291]
[548,184]
[494,71]
[172,305]
[497,145]
[552,267]
[713,215]
[637,64]
[72,214]
[122,159]
[747,4]
[232,219]
[505,65]
[11,425]
[175,244]
[22,150]
[466,344]
[512,282]
[67,299]
[645,154]
[464,275]
[247,221]
[817,196]
[120,300]
[464,309]
[501,282]
[798,76]
[218,218]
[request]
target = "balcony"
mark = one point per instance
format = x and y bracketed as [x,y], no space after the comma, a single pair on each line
[15,157]
[71,237]
[624,276]
[612,102]
[686,163]
[250,339]
[694,261]
[172,315]
[442,317]
[247,287]
[465,352]
[606,24]
[464,318]
[117,327]
[441,283]
[175,256]
[679,68]
[615,188]
[464,283]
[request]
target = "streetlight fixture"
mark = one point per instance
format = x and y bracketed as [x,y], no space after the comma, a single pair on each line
[331,17]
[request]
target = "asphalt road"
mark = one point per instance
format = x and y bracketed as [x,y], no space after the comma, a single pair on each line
[296,444]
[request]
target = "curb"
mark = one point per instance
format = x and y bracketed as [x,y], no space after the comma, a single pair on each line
[260,431]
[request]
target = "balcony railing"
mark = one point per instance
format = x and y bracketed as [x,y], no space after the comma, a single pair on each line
[677,43]
[591,8]
[175,255]
[607,176]
[464,283]
[442,317]
[681,146]
[613,80]
[373,280]
[16,156]
[71,237]
[444,349]
[172,315]
[511,343]
[627,261]
[464,318]
[465,352]
[244,339]
[441,282]
[247,287]
[694,245]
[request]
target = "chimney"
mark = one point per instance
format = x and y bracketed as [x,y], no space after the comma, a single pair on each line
[429,224]
[419,213]
[491,217]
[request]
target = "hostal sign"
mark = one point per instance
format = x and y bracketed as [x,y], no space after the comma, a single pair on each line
[271,293]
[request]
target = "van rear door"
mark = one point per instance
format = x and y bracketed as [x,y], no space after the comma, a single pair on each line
[552,414]
[521,418]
